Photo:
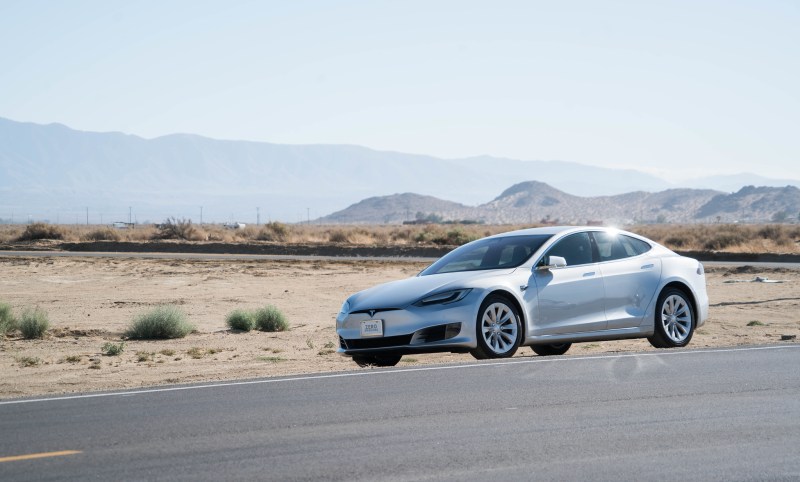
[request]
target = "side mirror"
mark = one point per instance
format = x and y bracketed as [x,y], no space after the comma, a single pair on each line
[552,262]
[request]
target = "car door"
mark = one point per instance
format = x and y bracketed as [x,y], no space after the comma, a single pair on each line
[630,277]
[569,299]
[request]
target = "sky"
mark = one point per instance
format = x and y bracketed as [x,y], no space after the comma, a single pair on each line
[682,89]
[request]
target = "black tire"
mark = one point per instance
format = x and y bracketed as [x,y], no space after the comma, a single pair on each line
[498,339]
[552,349]
[377,360]
[674,320]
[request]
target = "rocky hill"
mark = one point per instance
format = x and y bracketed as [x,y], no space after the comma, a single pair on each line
[51,172]
[534,202]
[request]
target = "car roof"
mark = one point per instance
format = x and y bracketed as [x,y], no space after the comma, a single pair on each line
[549,230]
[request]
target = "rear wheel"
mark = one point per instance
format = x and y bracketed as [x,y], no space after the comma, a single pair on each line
[498,329]
[377,360]
[674,323]
[552,349]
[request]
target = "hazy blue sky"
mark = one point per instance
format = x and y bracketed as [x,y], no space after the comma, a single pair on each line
[679,88]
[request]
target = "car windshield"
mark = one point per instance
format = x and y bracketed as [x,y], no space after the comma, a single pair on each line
[489,253]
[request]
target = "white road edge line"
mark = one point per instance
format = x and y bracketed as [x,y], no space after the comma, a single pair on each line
[390,372]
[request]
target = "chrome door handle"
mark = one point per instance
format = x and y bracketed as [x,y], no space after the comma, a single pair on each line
[590,273]
[648,266]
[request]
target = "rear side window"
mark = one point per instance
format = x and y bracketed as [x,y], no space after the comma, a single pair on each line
[612,246]
[634,246]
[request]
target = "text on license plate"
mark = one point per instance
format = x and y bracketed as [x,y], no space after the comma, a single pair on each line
[372,328]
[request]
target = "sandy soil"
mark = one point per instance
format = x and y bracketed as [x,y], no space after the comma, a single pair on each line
[91,301]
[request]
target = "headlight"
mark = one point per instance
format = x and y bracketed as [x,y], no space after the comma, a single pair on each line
[345,308]
[444,297]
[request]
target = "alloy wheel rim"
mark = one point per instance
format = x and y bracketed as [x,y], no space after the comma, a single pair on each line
[499,327]
[676,318]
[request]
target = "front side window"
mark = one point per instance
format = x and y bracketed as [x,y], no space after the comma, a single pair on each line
[489,253]
[575,248]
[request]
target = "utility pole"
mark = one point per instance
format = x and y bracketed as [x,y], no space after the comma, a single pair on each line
[87,215]
[258,216]
[308,215]
[201,215]
[130,210]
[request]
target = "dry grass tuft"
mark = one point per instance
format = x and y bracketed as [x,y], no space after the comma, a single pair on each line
[102,234]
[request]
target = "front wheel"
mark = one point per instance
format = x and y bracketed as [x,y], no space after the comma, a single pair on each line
[377,360]
[498,329]
[551,350]
[674,320]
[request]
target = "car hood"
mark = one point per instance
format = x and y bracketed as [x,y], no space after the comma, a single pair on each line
[399,294]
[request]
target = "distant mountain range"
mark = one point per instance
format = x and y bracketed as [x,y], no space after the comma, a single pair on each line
[56,173]
[535,202]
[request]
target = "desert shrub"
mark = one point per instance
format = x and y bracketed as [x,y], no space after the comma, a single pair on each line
[273,231]
[174,228]
[241,320]
[246,233]
[457,237]
[112,349]
[338,236]
[102,234]
[29,361]
[776,233]
[7,321]
[41,231]
[270,318]
[163,322]
[725,237]
[428,234]
[676,242]
[33,323]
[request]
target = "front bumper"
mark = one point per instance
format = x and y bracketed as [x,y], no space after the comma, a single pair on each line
[438,328]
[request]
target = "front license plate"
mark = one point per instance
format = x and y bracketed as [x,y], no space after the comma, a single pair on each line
[372,328]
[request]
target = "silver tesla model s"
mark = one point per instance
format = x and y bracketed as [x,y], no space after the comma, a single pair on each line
[545,288]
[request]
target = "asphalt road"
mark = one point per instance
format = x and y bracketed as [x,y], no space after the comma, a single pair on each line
[726,414]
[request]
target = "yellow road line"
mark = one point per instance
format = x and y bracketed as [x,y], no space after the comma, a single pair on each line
[42,455]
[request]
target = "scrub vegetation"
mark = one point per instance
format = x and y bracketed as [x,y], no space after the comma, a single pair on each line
[741,238]
[270,318]
[112,349]
[241,320]
[33,323]
[163,322]
[7,321]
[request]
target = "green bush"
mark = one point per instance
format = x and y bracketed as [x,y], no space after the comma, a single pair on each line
[271,318]
[162,322]
[7,321]
[33,323]
[112,349]
[241,320]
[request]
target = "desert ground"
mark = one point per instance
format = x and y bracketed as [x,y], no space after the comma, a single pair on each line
[91,301]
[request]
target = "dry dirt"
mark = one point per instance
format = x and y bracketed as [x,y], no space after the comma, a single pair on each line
[91,301]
